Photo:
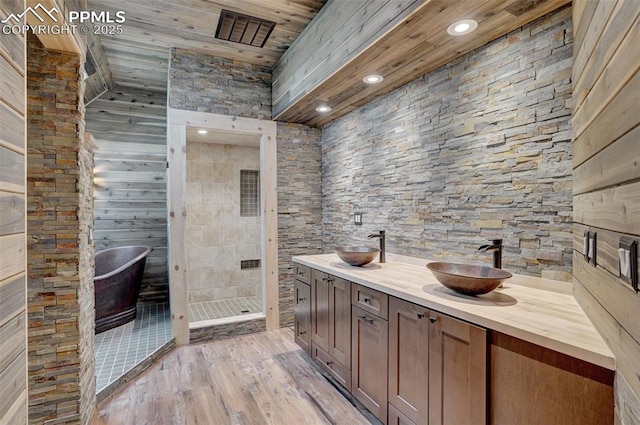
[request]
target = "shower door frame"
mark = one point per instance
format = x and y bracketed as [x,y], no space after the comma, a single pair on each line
[177,123]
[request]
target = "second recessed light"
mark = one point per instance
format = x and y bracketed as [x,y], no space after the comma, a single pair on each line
[373,79]
[323,108]
[462,27]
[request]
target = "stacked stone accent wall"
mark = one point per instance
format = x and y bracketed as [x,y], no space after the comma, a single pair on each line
[60,255]
[299,205]
[86,270]
[204,83]
[476,150]
[227,330]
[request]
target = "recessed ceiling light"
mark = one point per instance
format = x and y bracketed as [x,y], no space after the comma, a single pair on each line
[462,27]
[323,108]
[373,79]
[202,131]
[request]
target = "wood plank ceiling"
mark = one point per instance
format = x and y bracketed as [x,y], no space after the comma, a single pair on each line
[418,44]
[140,56]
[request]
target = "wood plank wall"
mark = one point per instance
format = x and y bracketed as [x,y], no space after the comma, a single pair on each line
[129,126]
[13,336]
[606,161]
[330,41]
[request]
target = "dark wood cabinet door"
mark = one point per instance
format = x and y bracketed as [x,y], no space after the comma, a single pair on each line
[409,359]
[457,372]
[369,347]
[302,315]
[340,320]
[320,309]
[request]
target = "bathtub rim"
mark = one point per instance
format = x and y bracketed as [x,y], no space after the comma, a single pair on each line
[137,258]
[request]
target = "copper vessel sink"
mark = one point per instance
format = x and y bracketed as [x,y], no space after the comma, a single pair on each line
[468,279]
[356,255]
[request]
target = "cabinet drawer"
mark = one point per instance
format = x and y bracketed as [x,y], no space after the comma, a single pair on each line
[331,365]
[302,273]
[370,300]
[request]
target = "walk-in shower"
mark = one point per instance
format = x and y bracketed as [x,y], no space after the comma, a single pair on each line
[223,234]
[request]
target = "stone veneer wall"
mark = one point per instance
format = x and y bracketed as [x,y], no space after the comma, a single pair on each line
[60,255]
[477,149]
[227,330]
[204,83]
[299,204]
[86,271]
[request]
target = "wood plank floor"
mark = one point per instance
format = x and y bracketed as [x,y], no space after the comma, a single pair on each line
[262,378]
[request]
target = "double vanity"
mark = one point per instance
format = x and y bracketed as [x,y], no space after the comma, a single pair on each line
[414,352]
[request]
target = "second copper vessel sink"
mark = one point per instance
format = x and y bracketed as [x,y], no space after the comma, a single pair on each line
[468,279]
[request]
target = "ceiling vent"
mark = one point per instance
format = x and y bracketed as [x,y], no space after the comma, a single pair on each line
[243,29]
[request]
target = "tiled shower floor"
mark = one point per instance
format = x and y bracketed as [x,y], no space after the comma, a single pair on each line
[120,349]
[210,310]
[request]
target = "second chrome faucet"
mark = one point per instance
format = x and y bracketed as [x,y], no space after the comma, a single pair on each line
[382,236]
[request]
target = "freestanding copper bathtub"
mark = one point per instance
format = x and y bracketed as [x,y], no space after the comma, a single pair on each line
[117,284]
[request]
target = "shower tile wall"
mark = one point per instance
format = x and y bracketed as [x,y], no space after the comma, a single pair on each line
[218,238]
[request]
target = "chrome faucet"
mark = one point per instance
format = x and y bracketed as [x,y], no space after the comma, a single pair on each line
[382,236]
[496,247]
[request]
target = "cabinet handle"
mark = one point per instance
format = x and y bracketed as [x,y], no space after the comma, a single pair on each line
[324,279]
[420,315]
[366,319]
[300,273]
[303,333]
[367,300]
[329,363]
[301,299]
[329,280]
[433,319]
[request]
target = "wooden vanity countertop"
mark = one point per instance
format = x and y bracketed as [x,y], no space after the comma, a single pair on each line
[540,311]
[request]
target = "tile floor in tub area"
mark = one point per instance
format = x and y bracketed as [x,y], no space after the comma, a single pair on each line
[120,349]
[218,309]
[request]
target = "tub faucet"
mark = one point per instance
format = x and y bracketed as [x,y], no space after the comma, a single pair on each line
[496,247]
[380,235]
